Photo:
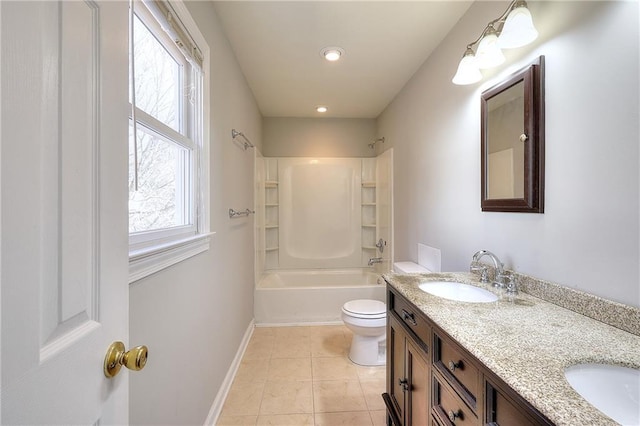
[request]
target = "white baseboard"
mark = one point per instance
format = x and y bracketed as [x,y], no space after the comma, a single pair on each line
[216,407]
[297,324]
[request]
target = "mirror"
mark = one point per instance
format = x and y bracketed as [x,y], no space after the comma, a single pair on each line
[512,143]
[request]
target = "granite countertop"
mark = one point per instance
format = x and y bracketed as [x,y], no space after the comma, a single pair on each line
[528,343]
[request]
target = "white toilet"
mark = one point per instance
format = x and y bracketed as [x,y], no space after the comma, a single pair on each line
[367,319]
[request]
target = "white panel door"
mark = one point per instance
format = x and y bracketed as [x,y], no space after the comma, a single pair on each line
[64,130]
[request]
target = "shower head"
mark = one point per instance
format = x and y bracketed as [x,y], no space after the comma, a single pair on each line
[373,144]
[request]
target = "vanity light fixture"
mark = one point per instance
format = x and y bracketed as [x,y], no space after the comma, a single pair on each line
[514,28]
[332,54]
[322,108]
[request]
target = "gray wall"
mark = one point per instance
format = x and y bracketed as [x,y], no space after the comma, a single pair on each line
[318,137]
[588,236]
[192,316]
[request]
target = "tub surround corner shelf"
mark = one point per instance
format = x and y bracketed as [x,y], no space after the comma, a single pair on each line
[271,214]
[455,363]
[369,215]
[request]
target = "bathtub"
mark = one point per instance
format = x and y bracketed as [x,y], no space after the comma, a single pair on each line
[312,295]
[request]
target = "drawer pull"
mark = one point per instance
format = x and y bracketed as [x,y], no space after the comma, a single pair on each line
[408,316]
[455,365]
[453,415]
[404,384]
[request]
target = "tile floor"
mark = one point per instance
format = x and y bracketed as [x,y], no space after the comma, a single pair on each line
[301,376]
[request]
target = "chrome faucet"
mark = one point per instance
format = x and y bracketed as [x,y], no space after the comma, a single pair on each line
[375,260]
[498,280]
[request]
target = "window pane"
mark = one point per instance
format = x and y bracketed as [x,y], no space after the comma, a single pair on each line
[162,198]
[157,76]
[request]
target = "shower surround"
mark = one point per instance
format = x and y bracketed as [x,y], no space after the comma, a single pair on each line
[317,223]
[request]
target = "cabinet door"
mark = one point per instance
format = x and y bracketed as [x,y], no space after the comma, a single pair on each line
[418,373]
[501,410]
[397,382]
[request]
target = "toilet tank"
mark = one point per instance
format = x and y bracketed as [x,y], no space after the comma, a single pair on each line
[429,260]
[409,268]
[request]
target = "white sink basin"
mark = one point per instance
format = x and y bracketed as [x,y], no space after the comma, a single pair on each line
[612,389]
[458,291]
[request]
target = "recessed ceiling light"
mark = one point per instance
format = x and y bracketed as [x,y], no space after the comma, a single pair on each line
[332,54]
[322,108]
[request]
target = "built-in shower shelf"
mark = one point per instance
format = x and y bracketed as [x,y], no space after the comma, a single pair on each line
[368,225]
[368,184]
[271,205]
[271,226]
[369,204]
[271,184]
[369,248]
[271,248]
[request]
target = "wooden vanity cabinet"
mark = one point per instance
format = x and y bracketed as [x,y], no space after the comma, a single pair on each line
[432,380]
[408,368]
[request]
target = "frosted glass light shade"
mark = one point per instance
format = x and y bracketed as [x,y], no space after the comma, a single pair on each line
[468,72]
[518,29]
[489,54]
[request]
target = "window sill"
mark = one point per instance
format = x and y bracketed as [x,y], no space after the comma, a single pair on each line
[145,262]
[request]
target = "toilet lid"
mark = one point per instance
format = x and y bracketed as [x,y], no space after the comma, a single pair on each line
[366,308]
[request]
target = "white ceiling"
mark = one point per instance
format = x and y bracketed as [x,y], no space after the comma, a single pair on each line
[278,46]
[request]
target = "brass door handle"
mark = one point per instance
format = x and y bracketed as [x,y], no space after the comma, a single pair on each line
[134,359]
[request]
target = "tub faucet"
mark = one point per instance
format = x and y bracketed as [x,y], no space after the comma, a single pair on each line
[374,260]
[498,280]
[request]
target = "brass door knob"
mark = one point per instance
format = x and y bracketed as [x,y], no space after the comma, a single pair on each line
[134,359]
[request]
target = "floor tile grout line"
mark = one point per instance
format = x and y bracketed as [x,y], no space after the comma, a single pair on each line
[314,379]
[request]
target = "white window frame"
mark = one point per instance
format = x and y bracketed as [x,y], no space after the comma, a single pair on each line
[152,251]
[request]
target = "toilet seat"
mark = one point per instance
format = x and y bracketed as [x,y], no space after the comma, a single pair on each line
[365,308]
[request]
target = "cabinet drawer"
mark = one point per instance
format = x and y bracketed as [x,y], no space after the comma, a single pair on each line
[410,315]
[507,408]
[455,366]
[448,408]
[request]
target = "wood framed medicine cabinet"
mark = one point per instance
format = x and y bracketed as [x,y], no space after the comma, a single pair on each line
[512,143]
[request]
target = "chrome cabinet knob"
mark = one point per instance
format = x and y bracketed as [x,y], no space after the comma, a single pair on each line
[408,316]
[404,383]
[453,415]
[455,365]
